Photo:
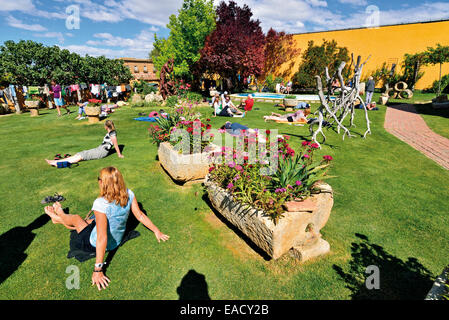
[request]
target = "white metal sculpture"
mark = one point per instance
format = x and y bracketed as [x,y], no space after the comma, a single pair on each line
[335,110]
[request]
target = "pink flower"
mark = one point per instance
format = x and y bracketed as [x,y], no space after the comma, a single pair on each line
[328,158]
[298,182]
[315,145]
[231,164]
[306,156]
[211,169]
[238,167]
[305,143]
[230,186]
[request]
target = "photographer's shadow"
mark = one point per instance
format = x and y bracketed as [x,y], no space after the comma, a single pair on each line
[193,286]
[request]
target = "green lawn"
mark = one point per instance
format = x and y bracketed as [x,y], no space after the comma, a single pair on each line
[390,210]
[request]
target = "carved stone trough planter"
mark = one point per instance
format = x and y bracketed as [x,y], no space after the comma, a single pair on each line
[290,103]
[184,168]
[93,113]
[298,232]
[33,106]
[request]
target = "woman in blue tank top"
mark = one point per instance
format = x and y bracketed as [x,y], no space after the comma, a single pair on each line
[106,230]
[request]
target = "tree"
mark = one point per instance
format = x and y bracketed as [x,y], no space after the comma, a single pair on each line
[411,68]
[32,63]
[438,55]
[279,49]
[188,31]
[235,49]
[316,59]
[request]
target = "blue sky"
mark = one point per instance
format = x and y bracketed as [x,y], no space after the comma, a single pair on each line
[126,28]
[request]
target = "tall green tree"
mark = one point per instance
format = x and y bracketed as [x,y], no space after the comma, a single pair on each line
[437,55]
[32,63]
[316,59]
[188,31]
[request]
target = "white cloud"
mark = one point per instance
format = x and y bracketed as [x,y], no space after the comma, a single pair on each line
[19,5]
[57,35]
[13,22]
[317,3]
[354,2]
[136,47]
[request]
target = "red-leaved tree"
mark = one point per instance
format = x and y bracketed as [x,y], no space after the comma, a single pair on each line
[235,47]
[280,48]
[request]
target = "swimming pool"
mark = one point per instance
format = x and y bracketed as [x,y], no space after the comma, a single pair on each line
[276,97]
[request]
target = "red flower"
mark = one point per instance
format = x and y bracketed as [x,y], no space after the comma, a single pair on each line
[267,131]
[190,130]
[328,158]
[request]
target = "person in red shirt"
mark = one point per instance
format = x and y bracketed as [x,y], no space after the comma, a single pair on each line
[247,104]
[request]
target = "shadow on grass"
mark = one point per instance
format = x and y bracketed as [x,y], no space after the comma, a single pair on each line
[237,231]
[193,286]
[399,280]
[13,245]
[420,109]
[120,146]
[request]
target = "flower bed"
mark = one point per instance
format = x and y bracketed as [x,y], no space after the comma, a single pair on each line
[184,149]
[279,212]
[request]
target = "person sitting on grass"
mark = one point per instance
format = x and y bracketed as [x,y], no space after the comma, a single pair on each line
[290,117]
[81,111]
[227,109]
[106,230]
[247,105]
[102,151]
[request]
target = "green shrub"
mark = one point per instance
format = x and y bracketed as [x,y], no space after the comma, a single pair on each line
[194,97]
[444,85]
[172,101]
[290,97]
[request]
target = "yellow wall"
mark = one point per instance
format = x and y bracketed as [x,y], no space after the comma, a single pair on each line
[385,44]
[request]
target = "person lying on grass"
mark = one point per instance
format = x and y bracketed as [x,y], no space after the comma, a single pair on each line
[290,117]
[106,230]
[102,151]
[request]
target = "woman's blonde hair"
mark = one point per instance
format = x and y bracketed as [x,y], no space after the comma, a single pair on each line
[110,124]
[112,186]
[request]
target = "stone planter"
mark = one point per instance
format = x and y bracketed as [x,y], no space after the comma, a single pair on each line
[33,106]
[298,232]
[290,103]
[184,168]
[439,289]
[93,113]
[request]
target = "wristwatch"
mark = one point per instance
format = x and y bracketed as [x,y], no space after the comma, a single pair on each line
[99,265]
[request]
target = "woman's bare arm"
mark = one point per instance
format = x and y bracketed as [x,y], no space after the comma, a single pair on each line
[98,277]
[141,217]
[117,149]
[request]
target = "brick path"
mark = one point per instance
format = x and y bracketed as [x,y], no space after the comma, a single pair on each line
[406,124]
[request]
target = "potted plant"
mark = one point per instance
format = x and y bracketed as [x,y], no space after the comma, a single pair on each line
[283,212]
[32,104]
[93,110]
[290,101]
[184,160]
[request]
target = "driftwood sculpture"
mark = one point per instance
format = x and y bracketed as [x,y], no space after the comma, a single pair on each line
[166,84]
[335,110]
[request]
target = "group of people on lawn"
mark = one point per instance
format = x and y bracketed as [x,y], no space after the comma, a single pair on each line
[224,107]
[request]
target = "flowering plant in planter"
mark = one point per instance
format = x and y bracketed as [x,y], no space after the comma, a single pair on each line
[182,120]
[94,102]
[293,178]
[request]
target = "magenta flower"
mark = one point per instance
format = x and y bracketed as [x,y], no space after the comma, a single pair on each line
[328,158]
[298,182]
[315,145]
[231,164]
[230,186]
[239,167]
[306,156]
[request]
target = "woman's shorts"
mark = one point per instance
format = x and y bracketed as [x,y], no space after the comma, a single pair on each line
[94,154]
[290,119]
[81,240]
[59,102]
